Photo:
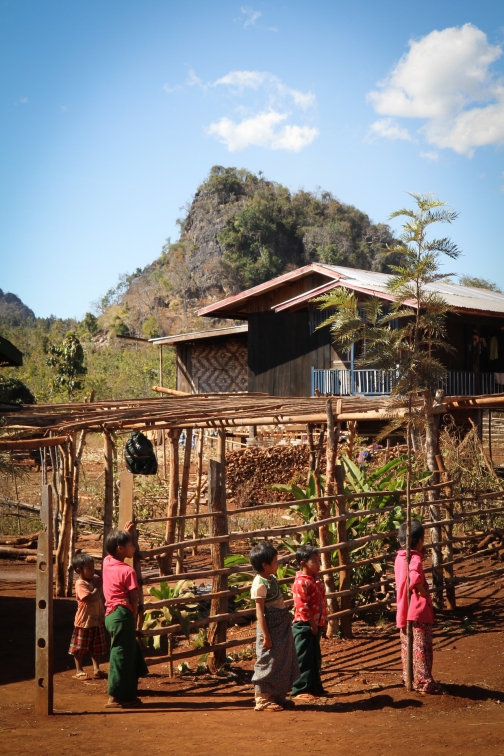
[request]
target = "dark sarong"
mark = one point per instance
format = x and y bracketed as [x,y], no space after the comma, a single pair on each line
[310,660]
[127,663]
[276,668]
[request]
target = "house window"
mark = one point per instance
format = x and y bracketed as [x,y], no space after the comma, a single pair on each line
[319,316]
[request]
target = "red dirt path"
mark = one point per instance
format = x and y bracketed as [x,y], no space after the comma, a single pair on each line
[368,709]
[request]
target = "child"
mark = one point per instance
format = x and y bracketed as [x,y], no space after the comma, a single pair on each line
[420,611]
[276,667]
[120,587]
[310,618]
[89,628]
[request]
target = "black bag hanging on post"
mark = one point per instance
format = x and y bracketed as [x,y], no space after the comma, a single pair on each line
[139,455]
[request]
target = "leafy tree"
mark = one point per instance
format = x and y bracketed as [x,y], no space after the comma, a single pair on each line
[14,391]
[479,283]
[67,360]
[89,324]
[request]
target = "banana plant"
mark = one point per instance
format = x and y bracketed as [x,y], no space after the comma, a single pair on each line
[180,614]
[389,477]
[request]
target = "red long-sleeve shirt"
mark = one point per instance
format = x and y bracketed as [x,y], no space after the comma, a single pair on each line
[309,599]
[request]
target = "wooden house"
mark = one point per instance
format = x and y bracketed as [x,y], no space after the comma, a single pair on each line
[210,361]
[287,356]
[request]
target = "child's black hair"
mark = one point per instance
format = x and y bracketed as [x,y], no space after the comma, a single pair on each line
[81,559]
[115,539]
[262,553]
[305,552]
[417,533]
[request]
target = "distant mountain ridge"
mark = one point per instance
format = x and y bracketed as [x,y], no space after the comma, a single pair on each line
[13,308]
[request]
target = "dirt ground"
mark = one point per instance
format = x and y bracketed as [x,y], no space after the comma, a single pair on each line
[367,709]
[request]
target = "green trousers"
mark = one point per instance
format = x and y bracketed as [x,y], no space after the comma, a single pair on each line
[127,663]
[309,658]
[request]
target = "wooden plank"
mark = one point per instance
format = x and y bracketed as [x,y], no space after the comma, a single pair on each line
[44,610]
[21,444]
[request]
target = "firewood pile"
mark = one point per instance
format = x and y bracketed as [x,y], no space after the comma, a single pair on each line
[19,547]
[249,471]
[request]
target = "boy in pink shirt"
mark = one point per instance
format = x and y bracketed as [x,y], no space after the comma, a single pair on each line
[420,612]
[120,588]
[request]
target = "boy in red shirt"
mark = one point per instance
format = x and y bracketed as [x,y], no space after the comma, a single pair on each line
[419,612]
[89,628]
[120,588]
[310,618]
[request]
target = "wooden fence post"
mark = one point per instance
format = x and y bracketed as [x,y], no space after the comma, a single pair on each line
[186,469]
[344,557]
[432,449]
[165,561]
[197,494]
[44,610]
[218,526]
[323,511]
[127,514]
[66,524]
[449,586]
[108,503]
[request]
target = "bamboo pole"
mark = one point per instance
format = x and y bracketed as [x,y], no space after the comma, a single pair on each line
[74,482]
[108,499]
[188,654]
[197,495]
[344,559]
[186,468]
[165,562]
[432,449]
[217,503]
[448,567]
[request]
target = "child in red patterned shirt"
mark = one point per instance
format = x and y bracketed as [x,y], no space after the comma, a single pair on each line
[310,619]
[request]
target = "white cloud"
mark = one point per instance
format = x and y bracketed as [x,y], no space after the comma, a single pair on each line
[445,78]
[251,16]
[432,157]
[263,130]
[240,80]
[195,81]
[176,88]
[387,127]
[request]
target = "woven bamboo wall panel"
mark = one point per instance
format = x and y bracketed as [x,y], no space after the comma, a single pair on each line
[222,367]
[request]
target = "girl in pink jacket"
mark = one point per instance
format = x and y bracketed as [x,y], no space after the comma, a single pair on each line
[420,612]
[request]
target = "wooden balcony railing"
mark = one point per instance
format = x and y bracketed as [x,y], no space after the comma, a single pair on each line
[379,382]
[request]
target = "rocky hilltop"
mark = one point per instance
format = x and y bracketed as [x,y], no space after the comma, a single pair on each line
[239,231]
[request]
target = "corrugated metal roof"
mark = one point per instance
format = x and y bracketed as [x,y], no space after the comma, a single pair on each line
[365,281]
[181,338]
[463,297]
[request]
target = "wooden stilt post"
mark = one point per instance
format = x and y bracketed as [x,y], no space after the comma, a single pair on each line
[108,501]
[218,525]
[165,561]
[197,495]
[323,510]
[44,610]
[221,451]
[186,469]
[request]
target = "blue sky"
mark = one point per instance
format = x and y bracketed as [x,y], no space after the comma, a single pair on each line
[113,112]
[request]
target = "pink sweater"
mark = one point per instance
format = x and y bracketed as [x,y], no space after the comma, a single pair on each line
[420,608]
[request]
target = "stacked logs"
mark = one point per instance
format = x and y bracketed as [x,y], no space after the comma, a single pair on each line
[249,472]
